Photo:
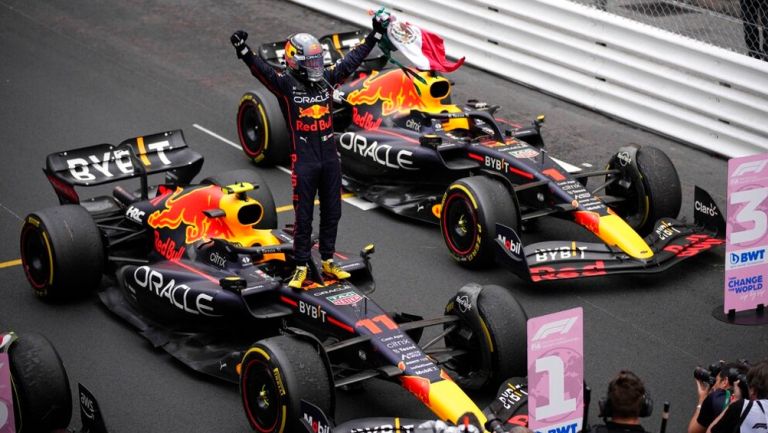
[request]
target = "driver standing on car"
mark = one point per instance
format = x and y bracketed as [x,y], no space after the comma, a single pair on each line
[304,92]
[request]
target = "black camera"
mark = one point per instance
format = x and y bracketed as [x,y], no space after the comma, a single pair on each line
[732,372]
[709,374]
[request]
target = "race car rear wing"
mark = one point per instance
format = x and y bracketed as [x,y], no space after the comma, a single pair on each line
[335,47]
[165,152]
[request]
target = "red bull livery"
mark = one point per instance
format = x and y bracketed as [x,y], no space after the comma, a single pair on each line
[484,180]
[202,270]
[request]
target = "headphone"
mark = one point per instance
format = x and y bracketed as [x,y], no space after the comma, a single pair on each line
[605,405]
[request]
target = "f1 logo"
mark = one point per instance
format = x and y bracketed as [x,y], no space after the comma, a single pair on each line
[750,167]
[562,326]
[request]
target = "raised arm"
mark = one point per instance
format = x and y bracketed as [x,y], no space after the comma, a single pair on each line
[273,81]
[339,72]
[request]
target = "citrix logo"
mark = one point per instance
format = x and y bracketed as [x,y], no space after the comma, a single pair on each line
[218,259]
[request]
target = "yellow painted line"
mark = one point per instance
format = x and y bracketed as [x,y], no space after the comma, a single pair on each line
[10,263]
[289,207]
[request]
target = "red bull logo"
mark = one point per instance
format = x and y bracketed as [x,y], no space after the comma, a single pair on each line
[393,90]
[315,111]
[365,120]
[167,248]
[186,207]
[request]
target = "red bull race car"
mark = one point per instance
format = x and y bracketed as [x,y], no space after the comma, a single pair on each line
[201,270]
[407,147]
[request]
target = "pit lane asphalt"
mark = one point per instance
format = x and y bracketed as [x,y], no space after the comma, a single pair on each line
[82,72]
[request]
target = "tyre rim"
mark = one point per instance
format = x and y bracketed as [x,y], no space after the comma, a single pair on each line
[260,396]
[460,224]
[251,127]
[35,256]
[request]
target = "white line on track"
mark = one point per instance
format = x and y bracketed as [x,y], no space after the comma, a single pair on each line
[354,201]
[215,135]
[283,169]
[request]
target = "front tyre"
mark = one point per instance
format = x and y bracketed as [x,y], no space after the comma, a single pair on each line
[470,210]
[62,252]
[262,130]
[649,186]
[276,374]
[42,400]
[493,337]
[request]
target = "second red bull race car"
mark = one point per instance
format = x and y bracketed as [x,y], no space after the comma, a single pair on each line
[202,269]
[407,147]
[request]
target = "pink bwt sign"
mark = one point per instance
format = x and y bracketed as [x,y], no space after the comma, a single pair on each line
[746,263]
[556,372]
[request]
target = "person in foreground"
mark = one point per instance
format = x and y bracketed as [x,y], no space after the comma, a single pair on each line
[749,413]
[624,404]
[304,92]
[712,400]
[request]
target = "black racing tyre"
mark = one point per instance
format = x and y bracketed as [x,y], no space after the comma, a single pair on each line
[654,190]
[42,399]
[496,348]
[261,128]
[470,210]
[262,194]
[276,374]
[62,252]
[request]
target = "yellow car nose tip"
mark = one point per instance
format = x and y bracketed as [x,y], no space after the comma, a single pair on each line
[615,232]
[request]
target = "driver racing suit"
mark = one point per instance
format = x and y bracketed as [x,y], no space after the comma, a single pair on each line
[315,165]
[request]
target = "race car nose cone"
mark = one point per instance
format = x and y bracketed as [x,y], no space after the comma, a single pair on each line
[614,231]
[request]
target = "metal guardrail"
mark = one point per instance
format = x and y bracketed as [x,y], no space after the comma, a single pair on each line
[691,91]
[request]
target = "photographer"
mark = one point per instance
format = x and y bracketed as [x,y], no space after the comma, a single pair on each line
[715,386]
[749,414]
[624,404]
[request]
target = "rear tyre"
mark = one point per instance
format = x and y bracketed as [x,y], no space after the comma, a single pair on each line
[62,252]
[650,191]
[276,374]
[262,194]
[42,400]
[262,130]
[470,210]
[496,347]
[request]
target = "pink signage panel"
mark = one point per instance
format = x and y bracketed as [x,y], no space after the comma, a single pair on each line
[556,372]
[746,263]
[7,424]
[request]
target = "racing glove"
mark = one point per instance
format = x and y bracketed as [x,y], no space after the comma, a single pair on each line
[380,22]
[238,41]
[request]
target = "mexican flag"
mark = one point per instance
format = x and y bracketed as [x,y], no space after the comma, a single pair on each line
[424,49]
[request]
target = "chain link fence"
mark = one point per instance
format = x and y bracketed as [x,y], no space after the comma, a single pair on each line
[737,25]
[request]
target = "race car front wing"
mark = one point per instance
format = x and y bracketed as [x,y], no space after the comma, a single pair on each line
[671,241]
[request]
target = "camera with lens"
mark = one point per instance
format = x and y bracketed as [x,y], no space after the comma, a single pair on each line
[731,371]
[708,374]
